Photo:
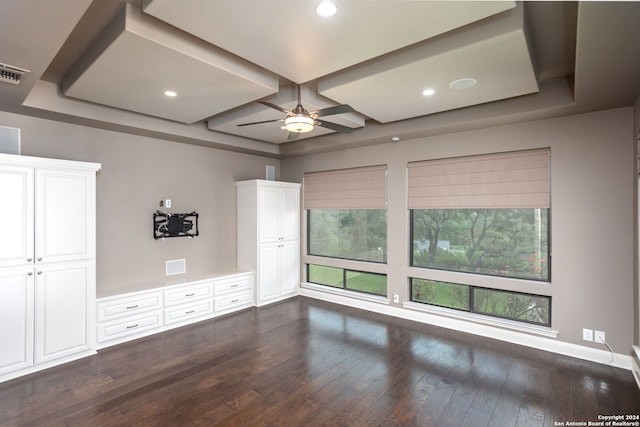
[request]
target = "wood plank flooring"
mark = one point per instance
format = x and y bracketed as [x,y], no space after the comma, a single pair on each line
[304,362]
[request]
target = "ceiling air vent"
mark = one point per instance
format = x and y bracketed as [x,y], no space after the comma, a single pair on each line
[11,74]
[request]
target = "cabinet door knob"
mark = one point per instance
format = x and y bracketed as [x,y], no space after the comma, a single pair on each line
[39,259]
[39,272]
[29,259]
[30,273]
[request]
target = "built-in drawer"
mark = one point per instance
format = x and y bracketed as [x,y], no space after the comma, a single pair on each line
[234,301]
[129,326]
[226,286]
[114,308]
[188,311]
[184,294]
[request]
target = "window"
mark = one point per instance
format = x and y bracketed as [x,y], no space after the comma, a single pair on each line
[347,219]
[518,306]
[370,283]
[485,214]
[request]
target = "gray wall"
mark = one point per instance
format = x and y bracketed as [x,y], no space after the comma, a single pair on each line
[592,215]
[138,172]
[592,206]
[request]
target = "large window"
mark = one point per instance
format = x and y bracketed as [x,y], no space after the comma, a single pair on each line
[500,242]
[347,219]
[485,214]
[357,234]
[506,304]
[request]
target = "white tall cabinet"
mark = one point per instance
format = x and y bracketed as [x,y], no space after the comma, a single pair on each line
[47,262]
[269,237]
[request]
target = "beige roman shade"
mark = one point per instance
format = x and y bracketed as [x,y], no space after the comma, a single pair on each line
[356,188]
[518,179]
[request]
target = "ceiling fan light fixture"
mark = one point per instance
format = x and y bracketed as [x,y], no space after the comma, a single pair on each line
[326,9]
[299,124]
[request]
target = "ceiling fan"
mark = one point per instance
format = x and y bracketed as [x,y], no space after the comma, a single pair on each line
[299,120]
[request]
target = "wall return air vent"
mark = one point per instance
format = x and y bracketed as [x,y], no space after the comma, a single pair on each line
[11,74]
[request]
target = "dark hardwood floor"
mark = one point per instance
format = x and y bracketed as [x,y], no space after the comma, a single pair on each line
[307,362]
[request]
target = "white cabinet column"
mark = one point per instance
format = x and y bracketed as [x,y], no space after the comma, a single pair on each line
[269,237]
[47,263]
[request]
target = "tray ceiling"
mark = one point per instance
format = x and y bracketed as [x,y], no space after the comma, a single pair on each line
[220,60]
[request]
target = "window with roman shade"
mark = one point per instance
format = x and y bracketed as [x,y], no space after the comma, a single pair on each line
[488,215]
[347,219]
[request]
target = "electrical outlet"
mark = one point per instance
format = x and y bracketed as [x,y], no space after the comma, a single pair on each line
[599,337]
[396,298]
[587,334]
[167,203]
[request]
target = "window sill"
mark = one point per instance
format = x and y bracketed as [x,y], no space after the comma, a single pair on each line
[486,320]
[346,293]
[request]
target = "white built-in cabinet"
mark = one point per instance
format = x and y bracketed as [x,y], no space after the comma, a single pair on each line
[269,237]
[133,315]
[47,262]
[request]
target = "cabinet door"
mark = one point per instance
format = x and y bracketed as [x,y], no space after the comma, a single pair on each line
[289,267]
[64,215]
[61,311]
[268,273]
[16,319]
[269,199]
[289,213]
[16,216]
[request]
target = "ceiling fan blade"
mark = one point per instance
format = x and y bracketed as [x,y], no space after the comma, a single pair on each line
[293,135]
[339,109]
[257,123]
[334,126]
[274,106]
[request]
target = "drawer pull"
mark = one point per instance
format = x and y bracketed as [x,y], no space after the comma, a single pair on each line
[235,285]
[131,307]
[189,295]
[235,300]
[132,326]
[189,312]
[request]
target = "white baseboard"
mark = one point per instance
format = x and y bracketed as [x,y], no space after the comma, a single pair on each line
[515,337]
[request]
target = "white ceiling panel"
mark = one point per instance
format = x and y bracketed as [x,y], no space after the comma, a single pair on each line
[390,89]
[288,38]
[137,58]
[273,132]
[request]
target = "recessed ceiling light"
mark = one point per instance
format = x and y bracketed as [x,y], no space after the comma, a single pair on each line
[395,138]
[428,92]
[465,83]
[326,9]
[170,93]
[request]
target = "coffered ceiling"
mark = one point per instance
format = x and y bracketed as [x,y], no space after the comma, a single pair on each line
[108,63]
